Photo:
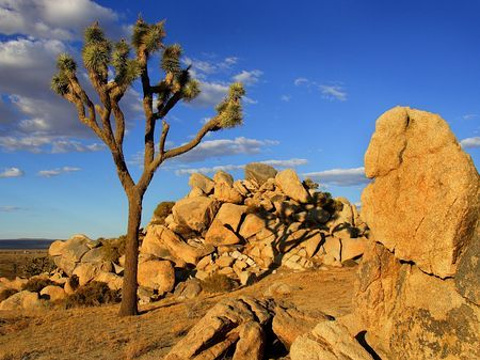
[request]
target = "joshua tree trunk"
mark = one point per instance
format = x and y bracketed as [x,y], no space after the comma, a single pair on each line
[129,290]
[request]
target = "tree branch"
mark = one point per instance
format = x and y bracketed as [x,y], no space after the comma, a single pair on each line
[163,137]
[164,109]
[147,108]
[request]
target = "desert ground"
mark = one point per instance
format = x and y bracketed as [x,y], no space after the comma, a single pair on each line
[98,333]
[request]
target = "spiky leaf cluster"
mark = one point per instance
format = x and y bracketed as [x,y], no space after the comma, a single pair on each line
[191,90]
[66,63]
[148,37]
[60,84]
[126,69]
[229,110]
[67,67]
[97,51]
[171,59]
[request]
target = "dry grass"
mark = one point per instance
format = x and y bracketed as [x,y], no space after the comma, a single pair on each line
[218,283]
[98,333]
[14,262]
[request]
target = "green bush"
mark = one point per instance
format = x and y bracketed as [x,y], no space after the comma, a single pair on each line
[218,283]
[162,211]
[36,284]
[6,293]
[94,293]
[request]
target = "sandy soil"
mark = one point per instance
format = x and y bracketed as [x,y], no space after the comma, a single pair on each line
[98,333]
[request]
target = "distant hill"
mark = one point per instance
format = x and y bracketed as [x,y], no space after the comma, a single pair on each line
[20,244]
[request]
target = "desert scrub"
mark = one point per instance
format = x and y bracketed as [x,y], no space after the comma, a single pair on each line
[37,284]
[6,293]
[37,266]
[112,249]
[92,294]
[218,283]
[162,211]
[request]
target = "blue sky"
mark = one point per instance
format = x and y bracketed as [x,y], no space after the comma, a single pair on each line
[317,73]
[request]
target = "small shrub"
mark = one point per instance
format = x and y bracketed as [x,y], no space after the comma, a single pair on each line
[37,266]
[6,293]
[310,184]
[218,283]
[112,249]
[36,285]
[162,211]
[74,282]
[92,294]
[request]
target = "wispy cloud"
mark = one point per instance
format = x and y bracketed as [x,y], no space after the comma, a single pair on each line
[225,147]
[201,68]
[9,208]
[340,177]
[46,144]
[301,81]
[285,98]
[333,91]
[211,93]
[58,171]
[11,173]
[248,78]
[469,116]
[473,142]
[230,167]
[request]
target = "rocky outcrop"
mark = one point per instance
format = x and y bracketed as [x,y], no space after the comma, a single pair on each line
[425,185]
[417,288]
[282,222]
[231,324]
[328,340]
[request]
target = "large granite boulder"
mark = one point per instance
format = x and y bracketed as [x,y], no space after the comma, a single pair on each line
[67,255]
[259,172]
[289,182]
[157,274]
[164,243]
[201,182]
[416,294]
[196,213]
[425,199]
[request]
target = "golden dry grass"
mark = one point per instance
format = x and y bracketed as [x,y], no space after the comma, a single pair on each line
[98,333]
[12,261]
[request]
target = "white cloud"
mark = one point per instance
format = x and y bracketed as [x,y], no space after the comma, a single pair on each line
[31,115]
[54,19]
[340,177]
[211,94]
[9,208]
[329,92]
[46,144]
[225,147]
[301,81]
[11,173]
[469,116]
[285,98]
[202,68]
[248,77]
[333,92]
[58,171]
[473,142]
[210,170]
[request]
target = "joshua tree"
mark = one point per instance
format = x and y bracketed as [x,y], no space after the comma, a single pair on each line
[111,71]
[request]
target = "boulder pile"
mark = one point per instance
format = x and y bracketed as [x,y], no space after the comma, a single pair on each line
[243,229]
